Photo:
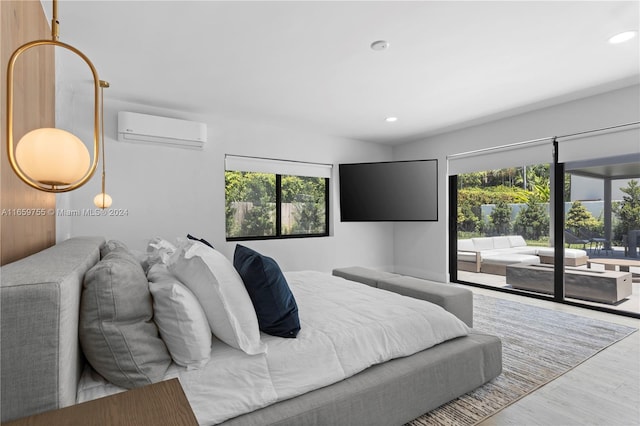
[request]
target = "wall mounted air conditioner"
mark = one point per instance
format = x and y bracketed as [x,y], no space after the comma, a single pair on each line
[151,129]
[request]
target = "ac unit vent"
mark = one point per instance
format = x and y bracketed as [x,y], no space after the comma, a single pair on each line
[163,131]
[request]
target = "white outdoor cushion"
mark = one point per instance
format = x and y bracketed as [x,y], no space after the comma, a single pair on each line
[568,252]
[501,242]
[508,259]
[524,250]
[215,282]
[466,245]
[484,243]
[182,323]
[516,241]
[500,251]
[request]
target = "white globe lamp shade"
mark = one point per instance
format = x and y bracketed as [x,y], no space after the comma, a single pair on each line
[102,200]
[52,156]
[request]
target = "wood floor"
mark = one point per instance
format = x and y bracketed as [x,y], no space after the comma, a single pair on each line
[604,390]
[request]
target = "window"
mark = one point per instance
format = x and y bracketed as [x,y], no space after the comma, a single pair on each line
[275,199]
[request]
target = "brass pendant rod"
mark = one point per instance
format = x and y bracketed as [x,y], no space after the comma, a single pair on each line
[103,84]
[55,24]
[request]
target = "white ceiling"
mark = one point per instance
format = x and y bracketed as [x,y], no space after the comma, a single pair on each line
[309,65]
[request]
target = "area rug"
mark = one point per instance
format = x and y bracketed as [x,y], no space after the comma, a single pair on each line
[538,345]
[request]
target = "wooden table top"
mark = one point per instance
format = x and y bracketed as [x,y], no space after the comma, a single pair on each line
[618,262]
[162,403]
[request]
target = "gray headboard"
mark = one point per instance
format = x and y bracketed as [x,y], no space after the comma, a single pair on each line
[40,357]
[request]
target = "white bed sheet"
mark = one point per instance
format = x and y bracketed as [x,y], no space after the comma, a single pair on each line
[345,328]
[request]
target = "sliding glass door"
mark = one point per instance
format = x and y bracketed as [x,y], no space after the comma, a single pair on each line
[503,235]
[602,220]
[567,229]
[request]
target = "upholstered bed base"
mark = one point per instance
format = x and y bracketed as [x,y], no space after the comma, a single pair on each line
[392,393]
[41,360]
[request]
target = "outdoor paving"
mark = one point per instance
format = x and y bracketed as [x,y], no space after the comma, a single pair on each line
[631,304]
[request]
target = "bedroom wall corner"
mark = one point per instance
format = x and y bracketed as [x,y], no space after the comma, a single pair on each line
[25,234]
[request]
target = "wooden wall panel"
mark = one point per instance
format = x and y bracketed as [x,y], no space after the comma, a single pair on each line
[23,230]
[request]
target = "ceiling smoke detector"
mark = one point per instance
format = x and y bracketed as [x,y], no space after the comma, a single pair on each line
[380,45]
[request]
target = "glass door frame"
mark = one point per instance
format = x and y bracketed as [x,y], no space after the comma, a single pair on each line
[557,182]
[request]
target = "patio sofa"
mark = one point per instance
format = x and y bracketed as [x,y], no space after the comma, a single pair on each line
[491,255]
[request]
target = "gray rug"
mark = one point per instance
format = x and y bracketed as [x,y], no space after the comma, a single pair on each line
[538,345]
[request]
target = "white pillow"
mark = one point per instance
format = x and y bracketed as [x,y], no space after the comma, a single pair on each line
[182,323]
[159,250]
[215,282]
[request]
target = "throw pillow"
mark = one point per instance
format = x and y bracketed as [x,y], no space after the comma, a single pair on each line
[182,323]
[112,245]
[221,293]
[117,333]
[272,299]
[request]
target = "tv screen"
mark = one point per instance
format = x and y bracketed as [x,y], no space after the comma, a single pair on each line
[393,191]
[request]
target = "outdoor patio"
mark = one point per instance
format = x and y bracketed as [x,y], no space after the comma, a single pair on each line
[629,304]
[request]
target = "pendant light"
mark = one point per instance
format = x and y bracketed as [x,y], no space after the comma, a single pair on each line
[50,159]
[102,200]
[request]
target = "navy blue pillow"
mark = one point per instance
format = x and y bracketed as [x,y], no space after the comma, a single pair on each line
[272,299]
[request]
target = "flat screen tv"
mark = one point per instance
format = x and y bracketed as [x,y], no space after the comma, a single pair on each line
[395,191]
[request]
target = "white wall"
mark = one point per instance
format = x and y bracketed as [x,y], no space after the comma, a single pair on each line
[421,249]
[171,192]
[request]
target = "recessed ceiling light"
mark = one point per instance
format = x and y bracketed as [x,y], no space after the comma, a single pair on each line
[391,119]
[380,45]
[622,37]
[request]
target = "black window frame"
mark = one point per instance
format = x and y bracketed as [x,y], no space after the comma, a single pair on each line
[279,235]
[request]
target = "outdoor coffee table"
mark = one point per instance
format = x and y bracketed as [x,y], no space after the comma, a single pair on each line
[580,283]
[610,265]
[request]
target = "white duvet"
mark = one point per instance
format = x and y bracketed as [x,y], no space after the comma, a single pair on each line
[345,328]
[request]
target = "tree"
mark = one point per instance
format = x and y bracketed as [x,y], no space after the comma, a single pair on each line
[579,218]
[501,218]
[251,204]
[258,221]
[467,220]
[532,222]
[255,193]
[541,187]
[628,210]
[307,194]
[309,217]
[473,179]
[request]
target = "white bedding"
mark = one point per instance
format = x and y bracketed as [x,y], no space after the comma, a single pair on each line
[345,328]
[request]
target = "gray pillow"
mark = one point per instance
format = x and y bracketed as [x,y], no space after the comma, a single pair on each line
[117,333]
[112,245]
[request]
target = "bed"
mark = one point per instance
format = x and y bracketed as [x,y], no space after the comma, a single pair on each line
[422,356]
